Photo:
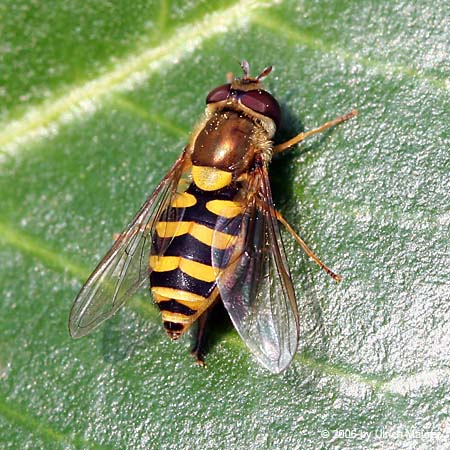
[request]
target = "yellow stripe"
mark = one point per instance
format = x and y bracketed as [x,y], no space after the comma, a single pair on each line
[172,229]
[159,298]
[177,294]
[184,200]
[210,178]
[205,235]
[196,306]
[164,263]
[168,316]
[193,268]
[198,270]
[224,208]
[200,232]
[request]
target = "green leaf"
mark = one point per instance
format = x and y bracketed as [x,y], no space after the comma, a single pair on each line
[98,99]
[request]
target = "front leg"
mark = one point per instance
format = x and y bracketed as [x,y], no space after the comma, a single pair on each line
[302,136]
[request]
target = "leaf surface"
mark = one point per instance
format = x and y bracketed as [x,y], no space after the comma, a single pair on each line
[97,101]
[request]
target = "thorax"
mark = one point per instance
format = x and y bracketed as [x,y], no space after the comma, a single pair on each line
[225,147]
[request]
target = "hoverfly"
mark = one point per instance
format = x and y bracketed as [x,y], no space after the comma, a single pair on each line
[210,232]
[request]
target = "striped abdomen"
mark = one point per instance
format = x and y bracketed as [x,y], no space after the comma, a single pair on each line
[182,279]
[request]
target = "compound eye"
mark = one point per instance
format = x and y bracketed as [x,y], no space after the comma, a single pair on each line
[218,94]
[263,103]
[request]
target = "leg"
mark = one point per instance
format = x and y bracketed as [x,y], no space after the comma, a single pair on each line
[300,137]
[197,350]
[306,249]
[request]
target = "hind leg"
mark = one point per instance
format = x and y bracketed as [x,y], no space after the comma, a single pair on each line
[198,349]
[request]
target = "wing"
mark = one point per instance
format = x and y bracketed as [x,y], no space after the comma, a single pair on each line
[124,269]
[254,281]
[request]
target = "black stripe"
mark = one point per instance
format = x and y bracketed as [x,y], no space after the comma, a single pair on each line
[226,193]
[173,326]
[177,279]
[175,307]
[187,247]
[199,214]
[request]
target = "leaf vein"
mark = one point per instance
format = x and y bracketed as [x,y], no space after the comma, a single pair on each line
[43,120]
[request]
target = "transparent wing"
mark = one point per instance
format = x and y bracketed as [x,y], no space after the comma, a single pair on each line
[124,269]
[254,281]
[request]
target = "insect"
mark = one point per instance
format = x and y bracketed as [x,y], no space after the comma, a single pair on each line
[210,232]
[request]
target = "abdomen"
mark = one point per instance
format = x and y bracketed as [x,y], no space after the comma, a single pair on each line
[182,279]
